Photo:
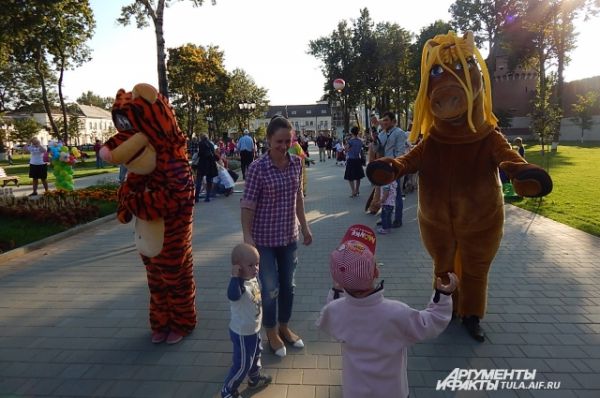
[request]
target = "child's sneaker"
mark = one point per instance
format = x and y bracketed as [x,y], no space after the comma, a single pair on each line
[382,231]
[261,381]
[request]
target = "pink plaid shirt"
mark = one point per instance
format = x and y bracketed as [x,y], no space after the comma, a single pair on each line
[271,193]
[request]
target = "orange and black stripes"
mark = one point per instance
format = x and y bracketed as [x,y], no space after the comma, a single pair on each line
[167,192]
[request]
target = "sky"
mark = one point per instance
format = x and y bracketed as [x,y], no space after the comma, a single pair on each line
[267,38]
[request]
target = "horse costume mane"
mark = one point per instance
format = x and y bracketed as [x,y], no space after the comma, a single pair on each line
[159,193]
[446,51]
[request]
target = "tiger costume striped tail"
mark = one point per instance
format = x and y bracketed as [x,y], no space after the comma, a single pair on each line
[159,194]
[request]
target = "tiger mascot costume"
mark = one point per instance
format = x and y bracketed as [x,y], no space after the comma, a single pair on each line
[159,194]
[461,208]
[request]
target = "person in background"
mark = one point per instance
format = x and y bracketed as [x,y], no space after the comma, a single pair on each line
[38,169]
[122,173]
[10,156]
[247,150]
[205,165]
[354,167]
[321,143]
[520,148]
[393,144]
[329,145]
[97,147]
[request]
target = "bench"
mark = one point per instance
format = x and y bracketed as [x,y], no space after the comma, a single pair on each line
[6,178]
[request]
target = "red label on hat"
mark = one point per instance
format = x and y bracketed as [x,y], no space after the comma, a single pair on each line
[362,234]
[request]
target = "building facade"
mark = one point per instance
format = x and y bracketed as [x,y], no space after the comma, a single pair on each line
[309,120]
[94,123]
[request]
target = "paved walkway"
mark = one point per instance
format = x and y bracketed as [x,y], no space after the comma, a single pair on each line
[73,316]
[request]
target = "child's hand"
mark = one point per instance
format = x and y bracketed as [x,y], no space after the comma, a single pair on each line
[236,270]
[450,287]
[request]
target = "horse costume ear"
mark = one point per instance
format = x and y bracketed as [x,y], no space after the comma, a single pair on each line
[146,91]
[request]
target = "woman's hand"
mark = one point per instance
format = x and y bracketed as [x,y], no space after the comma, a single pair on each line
[248,240]
[307,235]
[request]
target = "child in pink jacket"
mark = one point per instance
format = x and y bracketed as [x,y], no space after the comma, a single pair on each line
[376,332]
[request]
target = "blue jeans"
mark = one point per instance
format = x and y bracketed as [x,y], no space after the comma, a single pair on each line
[386,216]
[399,202]
[276,274]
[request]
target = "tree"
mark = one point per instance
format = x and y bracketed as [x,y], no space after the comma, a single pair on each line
[24,130]
[438,27]
[545,115]
[142,10]
[50,37]
[583,110]
[89,98]
[338,57]
[242,88]
[486,19]
[199,82]
[19,86]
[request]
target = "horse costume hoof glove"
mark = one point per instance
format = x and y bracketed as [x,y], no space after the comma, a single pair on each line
[159,194]
[461,207]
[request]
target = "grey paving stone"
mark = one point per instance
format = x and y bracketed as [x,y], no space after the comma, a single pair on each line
[73,321]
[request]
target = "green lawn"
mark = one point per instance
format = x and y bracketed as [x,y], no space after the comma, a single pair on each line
[575,198]
[22,231]
[20,168]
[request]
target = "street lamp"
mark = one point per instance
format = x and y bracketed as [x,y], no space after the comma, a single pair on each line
[247,108]
[338,85]
[208,115]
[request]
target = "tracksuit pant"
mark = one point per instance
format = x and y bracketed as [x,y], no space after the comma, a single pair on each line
[246,361]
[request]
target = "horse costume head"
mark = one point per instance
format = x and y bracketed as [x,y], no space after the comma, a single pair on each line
[147,131]
[454,101]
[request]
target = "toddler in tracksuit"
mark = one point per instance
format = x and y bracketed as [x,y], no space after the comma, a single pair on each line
[376,332]
[246,316]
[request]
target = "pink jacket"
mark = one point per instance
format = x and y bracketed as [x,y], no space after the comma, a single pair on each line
[375,334]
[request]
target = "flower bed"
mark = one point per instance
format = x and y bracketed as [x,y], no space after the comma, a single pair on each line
[25,220]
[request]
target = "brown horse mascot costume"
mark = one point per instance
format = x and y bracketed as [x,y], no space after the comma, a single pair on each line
[461,208]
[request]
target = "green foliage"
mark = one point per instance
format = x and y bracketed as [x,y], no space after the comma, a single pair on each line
[504,118]
[24,130]
[373,59]
[47,37]
[90,98]
[242,88]
[142,11]
[583,110]
[545,115]
[198,82]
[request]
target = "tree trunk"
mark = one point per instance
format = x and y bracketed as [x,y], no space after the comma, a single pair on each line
[542,93]
[561,79]
[161,66]
[63,107]
[42,80]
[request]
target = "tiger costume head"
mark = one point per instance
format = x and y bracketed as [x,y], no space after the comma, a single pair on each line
[147,131]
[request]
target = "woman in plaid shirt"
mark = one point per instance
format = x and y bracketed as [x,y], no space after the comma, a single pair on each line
[272,206]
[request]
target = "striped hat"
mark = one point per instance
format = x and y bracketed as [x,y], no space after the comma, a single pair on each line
[352,264]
